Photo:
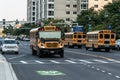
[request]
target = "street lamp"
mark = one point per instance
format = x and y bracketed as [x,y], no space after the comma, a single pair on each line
[89,23]
[106,21]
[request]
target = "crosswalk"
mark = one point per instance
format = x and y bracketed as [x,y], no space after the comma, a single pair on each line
[67,61]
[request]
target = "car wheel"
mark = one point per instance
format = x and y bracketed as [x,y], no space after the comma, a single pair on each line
[3,52]
[16,52]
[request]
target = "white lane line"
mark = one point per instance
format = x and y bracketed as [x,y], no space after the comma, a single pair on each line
[114,60]
[109,73]
[55,61]
[70,61]
[24,62]
[39,62]
[85,61]
[93,67]
[16,57]
[101,61]
[103,71]
[98,69]
[117,77]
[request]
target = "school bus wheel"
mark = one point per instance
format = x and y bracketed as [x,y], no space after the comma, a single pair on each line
[62,54]
[33,52]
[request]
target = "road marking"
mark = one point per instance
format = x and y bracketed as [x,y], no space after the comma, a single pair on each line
[55,61]
[103,71]
[114,60]
[109,73]
[98,69]
[50,73]
[89,55]
[117,77]
[85,61]
[24,62]
[16,57]
[100,61]
[39,62]
[70,61]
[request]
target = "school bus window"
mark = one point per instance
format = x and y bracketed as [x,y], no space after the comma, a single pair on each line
[107,36]
[101,35]
[84,36]
[79,36]
[74,36]
[112,36]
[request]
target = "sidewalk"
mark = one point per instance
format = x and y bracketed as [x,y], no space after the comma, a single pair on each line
[6,71]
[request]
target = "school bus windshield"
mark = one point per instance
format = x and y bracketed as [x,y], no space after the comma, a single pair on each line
[55,34]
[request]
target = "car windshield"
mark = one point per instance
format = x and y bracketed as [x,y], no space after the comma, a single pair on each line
[9,42]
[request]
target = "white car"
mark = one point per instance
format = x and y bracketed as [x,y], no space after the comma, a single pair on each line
[117,44]
[10,45]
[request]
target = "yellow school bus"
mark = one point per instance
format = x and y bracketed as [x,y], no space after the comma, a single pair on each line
[101,39]
[74,39]
[46,41]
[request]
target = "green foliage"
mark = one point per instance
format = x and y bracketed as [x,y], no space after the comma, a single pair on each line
[101,19]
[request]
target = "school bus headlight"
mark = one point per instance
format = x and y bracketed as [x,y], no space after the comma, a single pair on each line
[61,46]
[42,47]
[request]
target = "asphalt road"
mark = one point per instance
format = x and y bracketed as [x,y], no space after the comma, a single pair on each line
[78,64]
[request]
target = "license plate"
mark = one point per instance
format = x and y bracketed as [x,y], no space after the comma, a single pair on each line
[106,45]
[52,51]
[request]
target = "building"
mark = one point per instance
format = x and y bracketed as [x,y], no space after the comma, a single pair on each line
[60,9]
[15,23]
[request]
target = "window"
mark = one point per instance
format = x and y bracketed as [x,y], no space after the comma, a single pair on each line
[74,12]
[33,3]
[51,6]
[84,6]
[74,6]
[75,36]
[33,13]
[67,6]
[51,0]
[33,18]
[67,12]
[112,36]
[33,8]
[107,36]
[96,6]
[50,13]
[79,36]
[67,19]
[101,35]
[84,0]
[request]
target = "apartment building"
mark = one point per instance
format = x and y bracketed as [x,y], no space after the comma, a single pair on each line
[14,23]
[60,9]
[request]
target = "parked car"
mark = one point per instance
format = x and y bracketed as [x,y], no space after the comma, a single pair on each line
[1,42]
[10,45]
[117,44]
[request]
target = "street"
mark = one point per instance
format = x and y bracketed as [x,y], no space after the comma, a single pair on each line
[77,64]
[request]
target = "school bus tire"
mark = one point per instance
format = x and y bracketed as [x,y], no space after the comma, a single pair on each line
[33,52]
[62,54]
[87,48]
[107,49]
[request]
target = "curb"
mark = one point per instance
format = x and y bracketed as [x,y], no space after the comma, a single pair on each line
[9,72]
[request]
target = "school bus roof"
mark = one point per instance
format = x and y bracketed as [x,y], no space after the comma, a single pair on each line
[93,32]
[34,29]
[69,33]
[96,32]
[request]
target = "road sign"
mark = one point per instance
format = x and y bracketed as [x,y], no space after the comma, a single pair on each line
[77,28]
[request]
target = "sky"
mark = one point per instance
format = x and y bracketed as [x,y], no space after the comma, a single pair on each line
[13,9]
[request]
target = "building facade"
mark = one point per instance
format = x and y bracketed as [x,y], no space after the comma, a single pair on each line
[60,9]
